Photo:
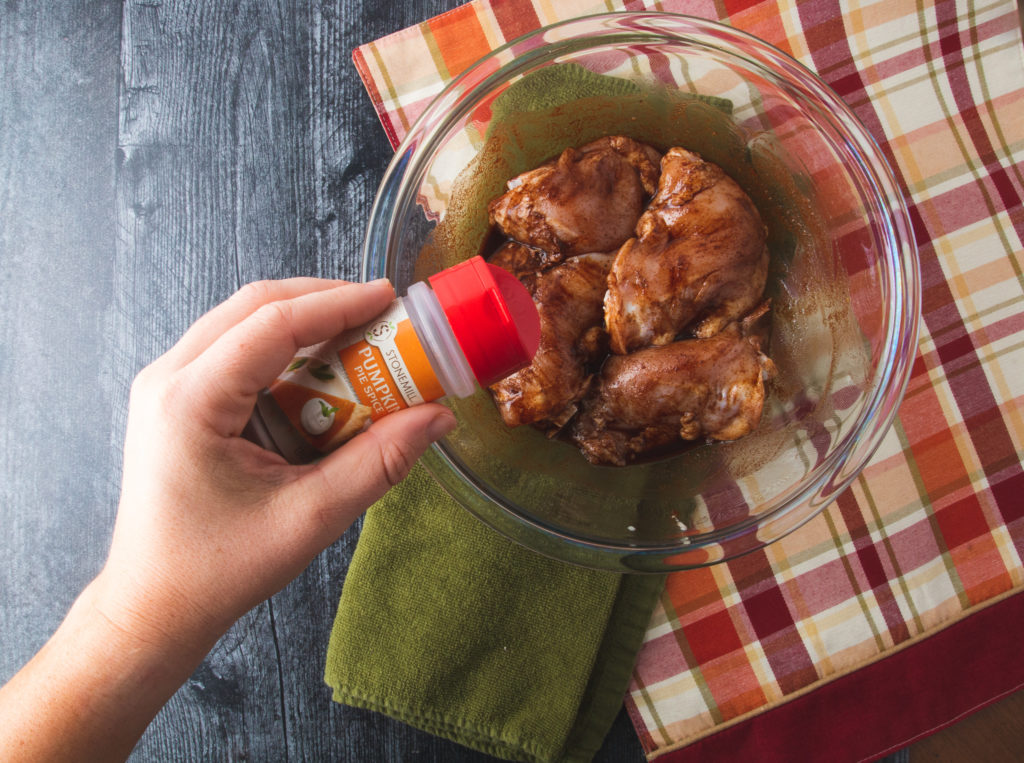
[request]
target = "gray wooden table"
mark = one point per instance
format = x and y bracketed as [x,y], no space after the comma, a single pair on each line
[153,157]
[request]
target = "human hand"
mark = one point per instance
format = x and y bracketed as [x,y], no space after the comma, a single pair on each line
[210,524]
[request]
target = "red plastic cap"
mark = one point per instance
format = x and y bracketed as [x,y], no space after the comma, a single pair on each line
[492,316]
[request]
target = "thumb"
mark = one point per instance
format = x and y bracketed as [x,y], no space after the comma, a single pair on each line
[344,484]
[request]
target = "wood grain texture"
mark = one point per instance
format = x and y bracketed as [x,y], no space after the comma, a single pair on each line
[153,157]
[60,457]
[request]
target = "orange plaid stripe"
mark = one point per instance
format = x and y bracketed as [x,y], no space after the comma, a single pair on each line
[460,39]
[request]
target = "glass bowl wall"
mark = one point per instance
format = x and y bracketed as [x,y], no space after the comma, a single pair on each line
[843,283]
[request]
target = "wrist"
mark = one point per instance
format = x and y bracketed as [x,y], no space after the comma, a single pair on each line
[147,626]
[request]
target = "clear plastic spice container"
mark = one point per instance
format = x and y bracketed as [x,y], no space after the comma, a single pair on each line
[473,324]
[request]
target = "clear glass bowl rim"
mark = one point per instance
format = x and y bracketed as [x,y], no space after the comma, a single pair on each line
[397,195]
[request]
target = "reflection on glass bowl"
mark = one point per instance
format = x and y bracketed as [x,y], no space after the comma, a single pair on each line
[844,280]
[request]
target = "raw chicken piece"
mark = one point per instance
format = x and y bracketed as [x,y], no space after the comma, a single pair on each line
[569,299]
[646,160]
[518,259]
[699,254]
[712,388]
[586,200]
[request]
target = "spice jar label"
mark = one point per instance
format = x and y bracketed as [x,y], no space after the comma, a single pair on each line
[331,391]
[388,367]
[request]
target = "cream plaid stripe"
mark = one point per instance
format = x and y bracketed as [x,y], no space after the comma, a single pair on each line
[934,526]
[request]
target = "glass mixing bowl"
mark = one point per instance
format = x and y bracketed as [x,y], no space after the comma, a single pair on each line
[844,280]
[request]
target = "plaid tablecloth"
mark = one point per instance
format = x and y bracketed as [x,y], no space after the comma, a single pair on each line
[933,529]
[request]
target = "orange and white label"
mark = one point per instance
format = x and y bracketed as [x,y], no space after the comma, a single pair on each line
[330,392]
[387,366]
[293,398]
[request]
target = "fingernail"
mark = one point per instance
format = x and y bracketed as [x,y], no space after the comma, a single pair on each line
[441,425]
[379,282]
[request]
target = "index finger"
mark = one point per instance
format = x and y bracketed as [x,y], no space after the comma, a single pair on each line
[225,378]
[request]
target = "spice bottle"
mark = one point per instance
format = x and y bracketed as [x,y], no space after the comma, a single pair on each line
[474,324]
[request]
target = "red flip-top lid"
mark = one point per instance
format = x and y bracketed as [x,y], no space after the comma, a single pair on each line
[492,316]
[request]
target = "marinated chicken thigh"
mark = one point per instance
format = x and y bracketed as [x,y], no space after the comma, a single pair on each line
[569,299]
[518,259]
[586,200]
[692,264]
[699,254]
[697,388]
[646,160]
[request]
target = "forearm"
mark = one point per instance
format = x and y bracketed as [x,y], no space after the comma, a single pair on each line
[91,690]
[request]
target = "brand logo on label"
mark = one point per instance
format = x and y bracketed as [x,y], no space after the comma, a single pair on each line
[381,333]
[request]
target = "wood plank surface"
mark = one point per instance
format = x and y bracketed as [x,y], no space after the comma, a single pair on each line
[59,451]
[156,155]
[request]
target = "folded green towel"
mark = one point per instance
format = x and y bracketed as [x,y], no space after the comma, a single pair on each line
[449,627]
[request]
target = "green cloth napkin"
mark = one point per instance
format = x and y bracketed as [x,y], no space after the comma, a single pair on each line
[450,627]
[555,85]
[453,629]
